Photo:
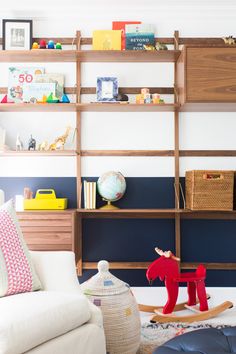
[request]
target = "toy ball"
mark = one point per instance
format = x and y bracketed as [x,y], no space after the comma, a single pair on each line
[50,44]
[42,44]
[58,46]
[35,45]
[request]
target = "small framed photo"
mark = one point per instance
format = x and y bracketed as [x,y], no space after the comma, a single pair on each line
[107,89]
[17,34]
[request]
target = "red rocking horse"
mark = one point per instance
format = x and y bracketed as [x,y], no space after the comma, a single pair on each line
[167,269]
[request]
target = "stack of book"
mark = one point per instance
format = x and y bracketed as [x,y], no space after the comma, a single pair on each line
[89,195]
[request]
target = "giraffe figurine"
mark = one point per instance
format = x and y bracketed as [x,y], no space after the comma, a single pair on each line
[60,141]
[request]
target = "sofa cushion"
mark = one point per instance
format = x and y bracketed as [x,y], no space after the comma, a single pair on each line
[17,274]
[30,319]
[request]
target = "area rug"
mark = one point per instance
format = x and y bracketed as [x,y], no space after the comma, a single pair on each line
[155,334]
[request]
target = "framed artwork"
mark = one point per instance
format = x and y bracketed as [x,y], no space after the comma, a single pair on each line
[107,89]
[17,34]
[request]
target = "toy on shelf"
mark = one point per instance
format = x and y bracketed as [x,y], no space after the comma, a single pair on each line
[5,100]
[60,141]
[45,199]
[167,269]
[42,44]
[229,40]
[44,99]
[28,194]
[58,45]
[51,44]
[65,99]
[35,45]
[32,143]
[19,144]
[43,146]
[158,46]
[146,97]
[52,98]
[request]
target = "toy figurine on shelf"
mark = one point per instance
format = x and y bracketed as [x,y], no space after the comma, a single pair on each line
[161,46]
[19,144]
[52,99]
[58,45]
[32,143]
[42,44]
[65,99]
[60,141]
[35,45]
[51,44]
[43,146]
[146,97]
[229,40]
[166,267]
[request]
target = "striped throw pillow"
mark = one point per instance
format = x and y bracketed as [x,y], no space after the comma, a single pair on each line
[17,274]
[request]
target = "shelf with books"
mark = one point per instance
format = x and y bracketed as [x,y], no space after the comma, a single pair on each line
[138,56]
[126,107]
[38,55]
[37,107]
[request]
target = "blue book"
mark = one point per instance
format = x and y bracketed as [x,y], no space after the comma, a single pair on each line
[138,35]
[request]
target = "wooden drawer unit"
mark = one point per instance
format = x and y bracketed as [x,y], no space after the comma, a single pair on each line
[49,230]
[206,78]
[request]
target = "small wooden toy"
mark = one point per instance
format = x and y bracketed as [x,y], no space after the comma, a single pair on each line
[44,99]
[167,269]
[35,45]
[42,44]
[28,194]
[65,99]
[60,141]
[52,99]
[43,146]
[51,44]
[32,143]
[58,45]
[19,144]
[4,99]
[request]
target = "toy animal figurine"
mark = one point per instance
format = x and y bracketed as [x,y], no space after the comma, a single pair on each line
[161,46]
[167,269]
[43,146]
[19,144]
[32,143]
[229,40]
[60,141]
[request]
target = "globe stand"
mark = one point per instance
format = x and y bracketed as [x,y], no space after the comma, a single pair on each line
[108,206]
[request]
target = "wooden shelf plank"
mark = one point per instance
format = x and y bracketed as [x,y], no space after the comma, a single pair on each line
[205,214]
[128,56]
[38,153]
[216,266]
[207,153]
[37,55]
[126,107]
[118,265]
[165,153]
[46,107]
[128,213]
[208,107]
[131,90]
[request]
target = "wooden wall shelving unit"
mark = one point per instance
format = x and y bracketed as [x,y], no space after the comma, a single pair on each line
[77,55]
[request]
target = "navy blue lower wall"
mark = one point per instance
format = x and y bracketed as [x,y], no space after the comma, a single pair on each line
[134,240]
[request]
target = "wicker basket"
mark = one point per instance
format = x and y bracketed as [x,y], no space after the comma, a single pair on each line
[209,190]
[121,317]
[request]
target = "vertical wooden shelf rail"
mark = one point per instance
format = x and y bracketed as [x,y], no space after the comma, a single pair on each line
[176,142]
[78,158]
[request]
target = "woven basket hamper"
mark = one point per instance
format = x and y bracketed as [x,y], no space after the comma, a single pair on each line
[209,190]
[121,317]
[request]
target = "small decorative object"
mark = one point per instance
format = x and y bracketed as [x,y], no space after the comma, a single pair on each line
[107,89]
[60,141]
[52,98]
[58,45]
[89,195]
[2,138]
[146,97]
[2,197]
[145,90]
[35,45]
[43,146]
[65,99]
[17,34]
[4,99]
[51,44]
[229,40]
[161,46]
[28,194]
[119,308]
[121,97]
[42,44]
[45,199]
[167,268]
[32,143]
[43,100]
[111,187]
[155,98]
[149,47]
[19,144]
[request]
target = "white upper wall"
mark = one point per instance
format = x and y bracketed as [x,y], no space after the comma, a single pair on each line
[202,18]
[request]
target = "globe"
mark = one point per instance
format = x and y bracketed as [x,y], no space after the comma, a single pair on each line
[111,187]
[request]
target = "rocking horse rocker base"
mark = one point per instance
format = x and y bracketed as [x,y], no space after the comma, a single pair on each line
[167,269]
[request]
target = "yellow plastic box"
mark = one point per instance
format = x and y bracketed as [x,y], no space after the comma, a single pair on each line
[45,199]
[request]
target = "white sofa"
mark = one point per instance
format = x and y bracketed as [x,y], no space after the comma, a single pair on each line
[57,320]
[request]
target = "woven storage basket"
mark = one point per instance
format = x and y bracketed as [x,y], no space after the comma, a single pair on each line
[209,190]
[121,317]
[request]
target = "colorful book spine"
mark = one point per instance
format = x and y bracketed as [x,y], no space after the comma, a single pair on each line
[89,195]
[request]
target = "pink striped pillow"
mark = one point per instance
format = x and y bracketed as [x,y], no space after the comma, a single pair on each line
[17,274]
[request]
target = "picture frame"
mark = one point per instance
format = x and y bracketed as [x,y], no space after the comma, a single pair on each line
[17,34]
[107,89]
